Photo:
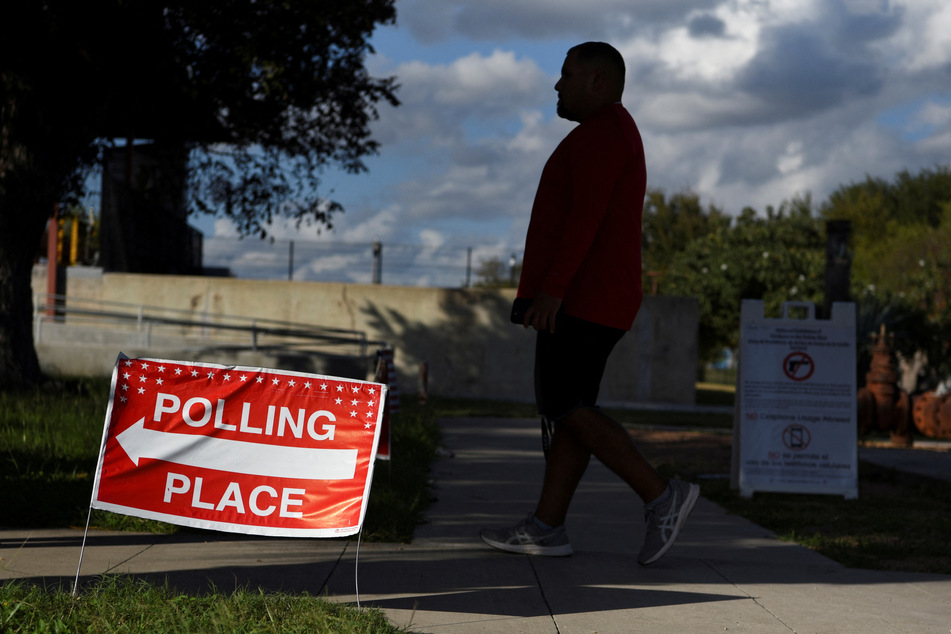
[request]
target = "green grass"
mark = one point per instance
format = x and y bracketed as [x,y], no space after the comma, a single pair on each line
[899,522]
[119,604]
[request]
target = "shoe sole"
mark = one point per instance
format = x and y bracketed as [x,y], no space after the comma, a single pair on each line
[530,549]
[693,493]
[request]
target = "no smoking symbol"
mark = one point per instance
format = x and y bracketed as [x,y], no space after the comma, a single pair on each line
[798,366]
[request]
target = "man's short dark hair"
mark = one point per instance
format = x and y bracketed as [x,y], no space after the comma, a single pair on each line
[595,52]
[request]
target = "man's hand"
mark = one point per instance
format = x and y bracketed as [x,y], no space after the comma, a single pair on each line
[541,314]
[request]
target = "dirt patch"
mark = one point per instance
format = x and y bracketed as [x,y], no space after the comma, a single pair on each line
[690,454]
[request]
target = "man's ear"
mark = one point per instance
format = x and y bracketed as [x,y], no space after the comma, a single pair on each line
[597,81]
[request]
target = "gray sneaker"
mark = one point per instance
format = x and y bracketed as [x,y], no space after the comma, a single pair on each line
[527,539]
[665,521]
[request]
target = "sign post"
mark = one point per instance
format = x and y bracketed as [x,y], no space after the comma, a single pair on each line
[238,449]
[795,429]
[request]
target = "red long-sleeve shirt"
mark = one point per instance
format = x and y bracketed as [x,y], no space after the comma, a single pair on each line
[584,236]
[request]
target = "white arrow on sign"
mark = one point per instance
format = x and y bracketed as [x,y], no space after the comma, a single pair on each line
[237,457]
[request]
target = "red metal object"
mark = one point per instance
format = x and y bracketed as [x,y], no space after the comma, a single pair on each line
[932,415]
[882,404]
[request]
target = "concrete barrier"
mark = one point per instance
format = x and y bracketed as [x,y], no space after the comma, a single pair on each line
[462,334]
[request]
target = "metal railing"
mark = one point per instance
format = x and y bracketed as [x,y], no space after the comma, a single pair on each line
[150,324]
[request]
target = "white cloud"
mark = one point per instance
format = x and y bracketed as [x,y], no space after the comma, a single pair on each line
[438,99]
[379,225]
[923,43]
[934,114]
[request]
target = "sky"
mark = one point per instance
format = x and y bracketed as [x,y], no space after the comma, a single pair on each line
[746,103]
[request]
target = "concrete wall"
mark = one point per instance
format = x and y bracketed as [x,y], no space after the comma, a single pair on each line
[463,334]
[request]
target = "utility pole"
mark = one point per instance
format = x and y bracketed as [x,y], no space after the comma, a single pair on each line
[838,264]
[377,262]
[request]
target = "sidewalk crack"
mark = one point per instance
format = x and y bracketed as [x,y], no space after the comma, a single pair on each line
[752,598]
[541,591]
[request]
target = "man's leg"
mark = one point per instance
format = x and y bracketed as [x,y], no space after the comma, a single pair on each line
[586,432]
[610,443]
[567,461]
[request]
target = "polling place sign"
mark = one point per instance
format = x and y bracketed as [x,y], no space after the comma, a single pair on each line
[239,449]
[796,420]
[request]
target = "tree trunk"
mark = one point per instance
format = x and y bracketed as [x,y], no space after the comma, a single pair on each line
[20,235]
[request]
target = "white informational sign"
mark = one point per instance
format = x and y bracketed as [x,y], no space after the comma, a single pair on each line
[796,420]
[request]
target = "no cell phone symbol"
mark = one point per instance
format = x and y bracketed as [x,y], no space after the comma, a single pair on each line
[796,437]
[798,366]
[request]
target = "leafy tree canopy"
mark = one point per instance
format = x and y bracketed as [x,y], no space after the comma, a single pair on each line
[776,258]
[266,93]
[669,224]
[494,273]
[901,271]
[901,232]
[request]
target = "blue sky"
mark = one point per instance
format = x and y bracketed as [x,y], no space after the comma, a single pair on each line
[745,102]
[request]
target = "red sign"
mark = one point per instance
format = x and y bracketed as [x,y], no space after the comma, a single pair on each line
[246,450]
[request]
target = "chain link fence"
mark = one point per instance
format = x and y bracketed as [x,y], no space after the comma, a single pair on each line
[356,263]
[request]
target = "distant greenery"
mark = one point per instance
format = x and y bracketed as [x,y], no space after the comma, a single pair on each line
[900,261]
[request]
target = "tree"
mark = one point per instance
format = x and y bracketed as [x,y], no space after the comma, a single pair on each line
[494,273]
[265,94]
[901,269]
[776,258]
[670,224]
[900,231]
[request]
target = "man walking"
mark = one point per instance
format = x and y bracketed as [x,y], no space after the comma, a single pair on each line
[582,272]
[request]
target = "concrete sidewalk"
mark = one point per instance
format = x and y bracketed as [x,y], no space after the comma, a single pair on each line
[724,575]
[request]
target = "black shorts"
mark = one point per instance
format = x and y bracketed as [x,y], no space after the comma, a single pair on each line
[569,365]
